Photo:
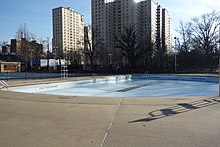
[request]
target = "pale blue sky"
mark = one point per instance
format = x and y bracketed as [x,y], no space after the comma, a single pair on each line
[36,14]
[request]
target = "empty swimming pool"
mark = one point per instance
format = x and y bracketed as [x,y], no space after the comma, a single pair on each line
[130,86]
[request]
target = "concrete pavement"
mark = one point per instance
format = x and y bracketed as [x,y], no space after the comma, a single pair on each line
[47,120]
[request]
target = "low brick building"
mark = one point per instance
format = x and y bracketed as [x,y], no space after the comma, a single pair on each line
[10,66]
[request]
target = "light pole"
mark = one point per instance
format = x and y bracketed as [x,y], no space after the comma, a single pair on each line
[175,54]
[48,51]
[31,62]
[110,61]
[55,48]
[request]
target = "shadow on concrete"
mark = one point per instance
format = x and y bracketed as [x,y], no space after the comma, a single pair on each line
[178,109]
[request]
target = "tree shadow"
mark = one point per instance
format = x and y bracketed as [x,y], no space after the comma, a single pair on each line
[178,109]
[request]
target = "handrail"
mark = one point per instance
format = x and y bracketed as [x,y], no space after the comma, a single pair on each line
[95,76]
[4,84]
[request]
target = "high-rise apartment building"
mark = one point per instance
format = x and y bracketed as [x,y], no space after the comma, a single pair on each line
[109,17]
[68,29]
[150,21]
[166,32]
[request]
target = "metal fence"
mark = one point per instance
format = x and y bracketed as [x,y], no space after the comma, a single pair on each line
[23,75]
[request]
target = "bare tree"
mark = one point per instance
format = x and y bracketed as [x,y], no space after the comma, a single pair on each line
[3,43]
[74,57]
[23,32]
[185,31]
[25,51]
[205,32]
[129,45]
[199,39]
[148,51]
[92,43]
[29,48]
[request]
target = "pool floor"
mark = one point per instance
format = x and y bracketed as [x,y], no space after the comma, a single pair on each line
[133,88]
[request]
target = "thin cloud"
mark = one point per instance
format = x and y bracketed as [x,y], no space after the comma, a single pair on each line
[209,3]
[24,21]
[195,8]
[187,9]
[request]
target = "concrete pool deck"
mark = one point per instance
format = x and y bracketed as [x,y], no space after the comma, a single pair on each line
[48,120]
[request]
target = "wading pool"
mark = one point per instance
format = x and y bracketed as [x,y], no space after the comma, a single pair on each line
[130,86]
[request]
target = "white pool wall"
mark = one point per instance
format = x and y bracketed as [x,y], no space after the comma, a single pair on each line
[62,85]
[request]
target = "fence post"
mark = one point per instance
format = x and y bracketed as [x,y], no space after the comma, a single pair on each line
[25,75]
[7,76]
[219,76]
